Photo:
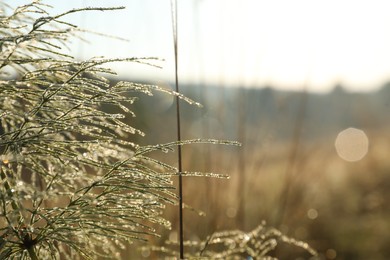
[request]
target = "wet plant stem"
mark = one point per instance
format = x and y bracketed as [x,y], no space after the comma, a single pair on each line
[179,151]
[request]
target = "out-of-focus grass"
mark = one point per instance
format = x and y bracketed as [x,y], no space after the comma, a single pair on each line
[307,191]
[338,207]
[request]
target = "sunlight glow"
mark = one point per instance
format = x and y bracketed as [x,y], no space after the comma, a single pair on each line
[352,144]
[281,43]
[289,44]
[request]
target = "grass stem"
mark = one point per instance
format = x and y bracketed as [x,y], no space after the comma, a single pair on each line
[179,153]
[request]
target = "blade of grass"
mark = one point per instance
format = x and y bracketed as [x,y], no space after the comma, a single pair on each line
[179,152]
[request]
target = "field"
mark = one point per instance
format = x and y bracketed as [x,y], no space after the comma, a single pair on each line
[285,175]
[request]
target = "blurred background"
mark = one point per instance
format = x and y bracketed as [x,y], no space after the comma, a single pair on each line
[303,85]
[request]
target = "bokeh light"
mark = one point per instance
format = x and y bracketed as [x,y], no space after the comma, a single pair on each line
[352,144]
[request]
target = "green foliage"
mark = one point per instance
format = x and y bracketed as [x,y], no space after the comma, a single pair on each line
[71,184]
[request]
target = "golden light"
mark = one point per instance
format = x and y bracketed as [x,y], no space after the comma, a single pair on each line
[352,144]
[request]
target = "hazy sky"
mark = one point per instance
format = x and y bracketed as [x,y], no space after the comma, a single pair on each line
[247,42]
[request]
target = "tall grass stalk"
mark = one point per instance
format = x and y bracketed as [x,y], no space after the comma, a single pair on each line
[174,12]
[242,161]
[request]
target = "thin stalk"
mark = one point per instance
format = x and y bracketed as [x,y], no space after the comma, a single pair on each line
[242,167]
[31,253]
[8,189]
[179,153]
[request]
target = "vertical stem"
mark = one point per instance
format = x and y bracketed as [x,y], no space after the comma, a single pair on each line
[242,169]
[174,25]
[8,189]
[31,253]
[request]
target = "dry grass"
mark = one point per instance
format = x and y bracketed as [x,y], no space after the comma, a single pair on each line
[338,207]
